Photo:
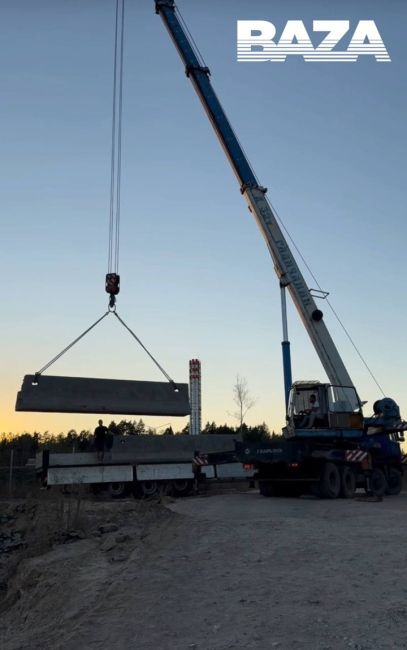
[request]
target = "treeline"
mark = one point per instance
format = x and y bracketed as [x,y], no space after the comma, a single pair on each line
[26,445]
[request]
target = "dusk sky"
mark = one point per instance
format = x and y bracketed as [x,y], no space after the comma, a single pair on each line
[327,139]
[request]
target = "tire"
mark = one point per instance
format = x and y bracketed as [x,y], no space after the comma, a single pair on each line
[330,483]
[394,481]
[149,488]
[378,483]
[182,487]
[348,483]
[118,490]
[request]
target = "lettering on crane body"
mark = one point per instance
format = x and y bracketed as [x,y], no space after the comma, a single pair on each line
[292,272]
[257,41]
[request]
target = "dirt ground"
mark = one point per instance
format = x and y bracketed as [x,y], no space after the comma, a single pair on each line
[218,572]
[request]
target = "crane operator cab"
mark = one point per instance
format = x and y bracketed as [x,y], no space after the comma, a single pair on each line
[323,410]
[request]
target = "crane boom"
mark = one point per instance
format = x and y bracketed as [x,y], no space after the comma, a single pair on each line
[285,264]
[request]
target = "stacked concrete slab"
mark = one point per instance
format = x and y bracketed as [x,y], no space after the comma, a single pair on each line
[150,449]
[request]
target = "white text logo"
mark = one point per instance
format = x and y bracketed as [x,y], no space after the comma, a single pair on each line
[256,41]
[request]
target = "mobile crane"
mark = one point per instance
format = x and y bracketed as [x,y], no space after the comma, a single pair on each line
[332,449]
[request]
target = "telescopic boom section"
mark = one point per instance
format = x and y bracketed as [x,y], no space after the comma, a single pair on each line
[285,265]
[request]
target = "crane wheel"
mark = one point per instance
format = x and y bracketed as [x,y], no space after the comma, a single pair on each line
[394,481]
[378,483]
[348,483]
[330,482]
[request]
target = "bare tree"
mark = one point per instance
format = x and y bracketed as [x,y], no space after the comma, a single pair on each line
[242,399]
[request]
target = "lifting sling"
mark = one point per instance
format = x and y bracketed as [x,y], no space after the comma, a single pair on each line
[55,394]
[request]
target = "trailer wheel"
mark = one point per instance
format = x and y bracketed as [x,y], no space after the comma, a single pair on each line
[330,483]
[149,488]
[182,487]
[394,481]
[348,483]
[378,483]
[118,490]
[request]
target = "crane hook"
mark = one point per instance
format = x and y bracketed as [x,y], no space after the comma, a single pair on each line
[112,287]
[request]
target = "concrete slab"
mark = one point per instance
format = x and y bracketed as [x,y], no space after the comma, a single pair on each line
[96,474]
[148,449]
[53,394]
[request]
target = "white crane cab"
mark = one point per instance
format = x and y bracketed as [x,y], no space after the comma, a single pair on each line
[323,411]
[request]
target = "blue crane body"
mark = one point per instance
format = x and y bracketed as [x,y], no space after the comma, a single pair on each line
[327,444]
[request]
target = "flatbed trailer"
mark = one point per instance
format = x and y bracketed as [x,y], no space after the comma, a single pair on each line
[146,465]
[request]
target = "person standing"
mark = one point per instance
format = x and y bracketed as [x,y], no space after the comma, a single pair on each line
[100,434]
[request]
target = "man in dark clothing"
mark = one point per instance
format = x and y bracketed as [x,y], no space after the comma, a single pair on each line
[100,440]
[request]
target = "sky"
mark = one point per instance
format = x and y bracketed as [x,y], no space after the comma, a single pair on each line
[197,281]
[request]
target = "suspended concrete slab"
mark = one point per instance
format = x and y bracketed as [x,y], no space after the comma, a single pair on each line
[52,394]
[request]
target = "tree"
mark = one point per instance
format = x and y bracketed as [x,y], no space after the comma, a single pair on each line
[242,399]
[84,439]
[140,427]
[258,433]
[210,427]
[224,429]
[127,427]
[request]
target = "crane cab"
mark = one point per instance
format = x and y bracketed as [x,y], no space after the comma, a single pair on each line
[322,410]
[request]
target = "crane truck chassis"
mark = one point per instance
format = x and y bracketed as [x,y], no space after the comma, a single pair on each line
[358,452]
[328,470]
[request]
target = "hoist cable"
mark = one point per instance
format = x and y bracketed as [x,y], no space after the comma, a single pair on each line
[115,191]
[116,146]
[119,143]
[68,347]
[328,302]
[166,375]
[356,349]
[113,148]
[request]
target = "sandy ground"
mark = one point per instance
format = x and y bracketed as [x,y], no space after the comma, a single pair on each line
[232,571]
